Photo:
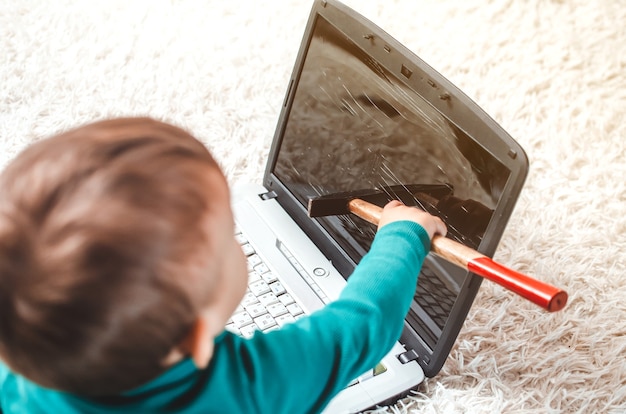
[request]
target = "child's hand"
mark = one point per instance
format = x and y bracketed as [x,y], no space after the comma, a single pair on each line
[396,211]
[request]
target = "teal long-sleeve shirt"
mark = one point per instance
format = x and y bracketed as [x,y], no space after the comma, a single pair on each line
[297,368]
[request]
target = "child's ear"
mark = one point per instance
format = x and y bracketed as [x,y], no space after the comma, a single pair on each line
[199,342]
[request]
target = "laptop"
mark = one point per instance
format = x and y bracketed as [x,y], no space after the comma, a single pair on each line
[363,112]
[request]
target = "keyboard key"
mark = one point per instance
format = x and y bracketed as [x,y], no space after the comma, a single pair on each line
[247,248]
[294,309]
[253,261]
[241,319]
[259,288]
[284,319]
[239,308]
[267,299]
[269,277]
[241,239]
[286,299]
[248,330]
[277,288]
[276,309]
[248,299]
[253,276]
[265,321]
[256,309]
[232,328]
[262,268]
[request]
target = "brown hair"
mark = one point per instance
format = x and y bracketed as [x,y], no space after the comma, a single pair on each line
[98,230]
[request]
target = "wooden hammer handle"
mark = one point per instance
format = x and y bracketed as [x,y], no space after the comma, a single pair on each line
[538,292]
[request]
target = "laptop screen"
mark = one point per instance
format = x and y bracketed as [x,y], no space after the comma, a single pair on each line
[354,126]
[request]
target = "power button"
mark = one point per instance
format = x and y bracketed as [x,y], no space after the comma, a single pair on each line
[320,272]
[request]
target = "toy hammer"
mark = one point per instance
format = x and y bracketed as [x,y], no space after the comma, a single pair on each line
[538,292]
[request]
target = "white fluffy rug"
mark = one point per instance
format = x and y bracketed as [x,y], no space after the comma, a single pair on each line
[552,73]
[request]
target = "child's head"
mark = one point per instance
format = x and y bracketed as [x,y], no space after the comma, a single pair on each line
[114,238]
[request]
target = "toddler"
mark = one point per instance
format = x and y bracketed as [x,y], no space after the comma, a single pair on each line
[119,270]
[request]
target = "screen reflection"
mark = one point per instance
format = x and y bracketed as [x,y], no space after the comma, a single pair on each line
[354,126]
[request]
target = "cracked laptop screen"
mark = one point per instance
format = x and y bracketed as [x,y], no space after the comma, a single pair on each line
[353,126]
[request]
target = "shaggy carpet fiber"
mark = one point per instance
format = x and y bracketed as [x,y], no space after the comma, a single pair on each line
[552,73]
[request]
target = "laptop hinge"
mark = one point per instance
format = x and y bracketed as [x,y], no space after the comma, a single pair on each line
[408,356]
[268,196]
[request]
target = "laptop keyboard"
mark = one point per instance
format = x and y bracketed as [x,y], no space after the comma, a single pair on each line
[266,304]
[434,297]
